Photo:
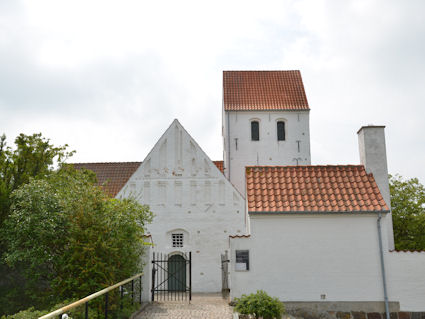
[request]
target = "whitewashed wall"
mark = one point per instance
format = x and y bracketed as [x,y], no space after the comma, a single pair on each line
[268,150]
[300,258]
[189,195]
[406,279]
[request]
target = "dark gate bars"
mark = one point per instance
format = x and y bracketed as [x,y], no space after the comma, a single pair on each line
[171,277]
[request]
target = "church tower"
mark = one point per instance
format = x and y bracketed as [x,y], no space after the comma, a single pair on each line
[265,121]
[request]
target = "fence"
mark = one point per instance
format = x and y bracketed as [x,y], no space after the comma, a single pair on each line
[107,303]
[171,277]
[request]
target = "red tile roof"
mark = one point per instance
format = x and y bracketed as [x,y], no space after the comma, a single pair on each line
[263,90]
[112,175]
[219,165]
[290,189]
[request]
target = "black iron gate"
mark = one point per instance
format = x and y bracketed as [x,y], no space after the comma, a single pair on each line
[172,277]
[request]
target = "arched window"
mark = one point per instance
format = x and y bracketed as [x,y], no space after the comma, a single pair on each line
[255,131]
[280,131]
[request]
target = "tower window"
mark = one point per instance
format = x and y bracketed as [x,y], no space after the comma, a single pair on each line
[280,131]
[255,131]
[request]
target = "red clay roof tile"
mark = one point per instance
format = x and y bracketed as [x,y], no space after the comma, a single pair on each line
[312,189]
[263,90]
[112,176]
[219,165]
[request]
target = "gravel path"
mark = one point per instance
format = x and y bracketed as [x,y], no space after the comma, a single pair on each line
[202,306]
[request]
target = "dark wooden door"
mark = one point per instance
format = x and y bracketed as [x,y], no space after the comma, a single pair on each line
[176,273]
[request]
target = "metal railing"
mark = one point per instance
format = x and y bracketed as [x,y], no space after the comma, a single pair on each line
[85,301]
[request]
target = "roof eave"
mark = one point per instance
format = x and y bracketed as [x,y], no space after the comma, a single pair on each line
[267,110]
[362,212]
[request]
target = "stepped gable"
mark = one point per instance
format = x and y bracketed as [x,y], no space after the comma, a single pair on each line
[312,189]
[263,91]
[112,176]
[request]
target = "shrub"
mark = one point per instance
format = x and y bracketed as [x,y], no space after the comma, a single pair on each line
[32,313]
[69,239]
[260,304]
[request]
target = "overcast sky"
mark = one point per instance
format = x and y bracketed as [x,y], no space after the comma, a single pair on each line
[108,77]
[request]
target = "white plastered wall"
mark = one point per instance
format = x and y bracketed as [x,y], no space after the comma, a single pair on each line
[300,258]
[268,150]
[189,195]
[406,279]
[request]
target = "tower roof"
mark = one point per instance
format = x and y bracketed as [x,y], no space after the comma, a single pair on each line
[263,91]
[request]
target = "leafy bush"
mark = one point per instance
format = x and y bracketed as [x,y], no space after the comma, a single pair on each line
[29,313]
[260,304]
[121,309]
[408,212]
[70,239]
[32,313]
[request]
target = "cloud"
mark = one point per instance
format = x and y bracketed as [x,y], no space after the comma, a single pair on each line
[108,77]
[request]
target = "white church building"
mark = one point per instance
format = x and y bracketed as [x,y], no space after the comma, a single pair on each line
[316,236]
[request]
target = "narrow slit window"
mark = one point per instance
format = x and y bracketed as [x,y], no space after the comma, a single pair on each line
[280,131]
[177,240]
[255,131]
[242,260]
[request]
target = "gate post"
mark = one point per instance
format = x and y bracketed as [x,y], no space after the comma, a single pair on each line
[225,272]
[153,278]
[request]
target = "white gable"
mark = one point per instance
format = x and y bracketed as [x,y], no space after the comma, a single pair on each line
[191,198]
[176,156]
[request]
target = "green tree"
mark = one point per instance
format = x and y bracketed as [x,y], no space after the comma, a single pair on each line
[32,156]
[70,239]
[408,210]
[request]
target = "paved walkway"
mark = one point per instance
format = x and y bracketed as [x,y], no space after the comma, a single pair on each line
[202,306]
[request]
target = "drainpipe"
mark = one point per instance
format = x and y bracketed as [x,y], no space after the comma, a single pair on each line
[381,254]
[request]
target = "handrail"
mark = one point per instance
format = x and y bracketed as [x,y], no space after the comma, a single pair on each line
[88,298]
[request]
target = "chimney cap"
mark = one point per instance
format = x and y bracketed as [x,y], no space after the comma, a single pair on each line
[370,126]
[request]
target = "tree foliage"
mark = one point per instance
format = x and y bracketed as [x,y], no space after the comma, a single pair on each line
[408,210]
[70,239]
[32,157]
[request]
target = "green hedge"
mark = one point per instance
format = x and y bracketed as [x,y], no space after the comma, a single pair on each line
[260,304]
